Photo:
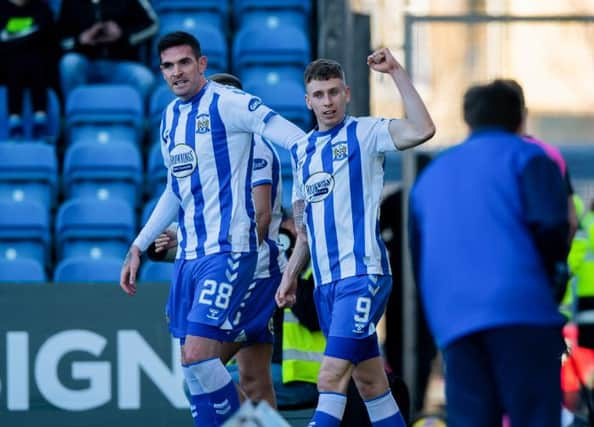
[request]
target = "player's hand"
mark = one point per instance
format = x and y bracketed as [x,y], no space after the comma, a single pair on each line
[166,240]
[130,271]
[383,61]
[111,32]
[89,36]
[286,294]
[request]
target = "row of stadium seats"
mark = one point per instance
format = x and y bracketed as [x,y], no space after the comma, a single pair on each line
[79,270]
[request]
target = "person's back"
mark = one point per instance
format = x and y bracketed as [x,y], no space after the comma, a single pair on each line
[474,187]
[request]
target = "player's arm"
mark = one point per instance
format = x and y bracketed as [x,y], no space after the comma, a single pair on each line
[287,290]
[282,132]
[163,214]
[417,126]
[263,206]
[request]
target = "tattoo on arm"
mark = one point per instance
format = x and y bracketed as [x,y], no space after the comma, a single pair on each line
[300,255]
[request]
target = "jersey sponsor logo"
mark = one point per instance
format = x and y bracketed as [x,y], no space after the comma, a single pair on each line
[260,164]
[318,186]
[202,123]
[340,151]
[254,104]
[183,160]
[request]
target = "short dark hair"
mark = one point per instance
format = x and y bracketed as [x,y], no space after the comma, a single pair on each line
[496,104]
[226,79]
[179,38]
[323,69]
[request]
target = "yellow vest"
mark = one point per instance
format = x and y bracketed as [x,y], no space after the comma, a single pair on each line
[302,350]
[581,265]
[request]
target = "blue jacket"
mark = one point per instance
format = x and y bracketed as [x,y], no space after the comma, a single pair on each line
[488,222]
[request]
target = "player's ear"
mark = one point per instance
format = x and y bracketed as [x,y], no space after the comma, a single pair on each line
[307,102]
[347,92]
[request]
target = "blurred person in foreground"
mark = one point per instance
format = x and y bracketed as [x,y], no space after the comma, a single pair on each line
[488,235]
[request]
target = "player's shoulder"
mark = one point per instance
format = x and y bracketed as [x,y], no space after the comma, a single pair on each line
[231,96]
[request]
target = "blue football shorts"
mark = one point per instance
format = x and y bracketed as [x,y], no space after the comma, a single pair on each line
[351,307]
[254,326]
[206,294]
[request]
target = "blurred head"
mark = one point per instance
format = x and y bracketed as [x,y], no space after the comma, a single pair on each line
[226,79]
[182,64]
[498,104]
[327,94]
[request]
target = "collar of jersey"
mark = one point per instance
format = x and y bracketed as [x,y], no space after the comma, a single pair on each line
[197,97]
[332,131]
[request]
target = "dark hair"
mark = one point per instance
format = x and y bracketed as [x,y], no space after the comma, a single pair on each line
[323,69]
[226,79]
[496,104]
[179,38]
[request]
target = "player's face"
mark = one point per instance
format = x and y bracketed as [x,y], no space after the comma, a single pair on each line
[183,72]
[328,100]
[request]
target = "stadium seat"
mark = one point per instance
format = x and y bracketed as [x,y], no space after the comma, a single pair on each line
[87,270]
[276,18]
[271,45]
[24,230]
[392,167]
[21,270]
[28,171]
[103,171]
[212,39]
[160,98]
[242,9]
[156,272]
[94,228]
[156,174]
[103,113]
[283,96]
[214,12]
[53,116]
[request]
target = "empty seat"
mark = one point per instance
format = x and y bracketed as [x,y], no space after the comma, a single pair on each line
[94,228]
[242,9]
[212,39]
[104,112]
[87,270]
[160,98]
[283,96]
[156,272]
[21,270]
[28,171]
[156,173]
[215,12]
[103,171]
[392,167]
[24,230]
[277,45]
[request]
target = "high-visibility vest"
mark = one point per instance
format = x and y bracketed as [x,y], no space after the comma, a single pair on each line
[581,266]
[302,350]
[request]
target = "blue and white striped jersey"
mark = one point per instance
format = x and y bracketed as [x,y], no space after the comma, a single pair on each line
[207,147]
[340,176]
[267,170]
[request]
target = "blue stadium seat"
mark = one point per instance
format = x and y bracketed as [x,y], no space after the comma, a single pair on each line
[103,171]
[156,272]
[392,167]
[212,39]
[160,98]
[21,270]
[24,230]
[80,269]
[271,45]
[28,171]
[276,18]
[215,12]
[53,116]
[156,173]
[103,113]
[283,96]
[148,209]
[94,228]
[243,8]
